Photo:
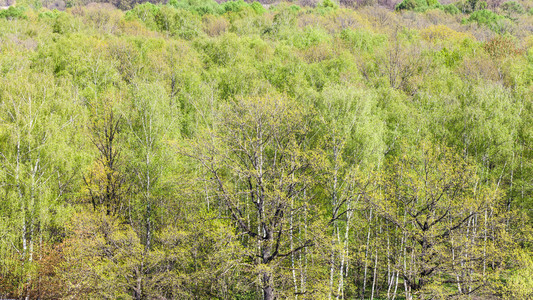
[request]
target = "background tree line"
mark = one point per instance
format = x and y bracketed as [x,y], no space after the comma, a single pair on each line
[238,151]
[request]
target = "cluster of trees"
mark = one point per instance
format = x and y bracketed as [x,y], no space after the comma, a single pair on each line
[236,151]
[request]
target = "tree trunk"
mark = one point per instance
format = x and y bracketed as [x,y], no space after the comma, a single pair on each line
[335,225]
[374,279]
[366,254]
[268,291]
[293,266]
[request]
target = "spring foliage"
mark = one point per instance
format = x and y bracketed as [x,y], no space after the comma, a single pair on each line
[237,150]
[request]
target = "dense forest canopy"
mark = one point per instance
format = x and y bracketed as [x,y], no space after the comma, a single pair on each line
[358,149]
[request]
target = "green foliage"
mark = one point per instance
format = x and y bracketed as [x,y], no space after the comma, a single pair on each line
[178,22]
[200,7]
[426,5]
[415,194]
[410,4]
[326,6]
[363,40]
[486,18]
[61,24]
[310,37]
[13,13]
[241,151]
[451,9]
[106,271]
[451,58]
[145,12]
[512,7]
[235,6]
[470,6]
[30,132]
[204,7]
[50,14]
[60,21]
[520,283]
[258,7]
[418,5]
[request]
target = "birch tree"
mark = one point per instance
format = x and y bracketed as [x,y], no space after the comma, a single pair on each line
[33,181]
[263,170]
[443,202]
[148,119]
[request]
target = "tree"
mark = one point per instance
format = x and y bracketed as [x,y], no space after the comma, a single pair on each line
[263,170]
[106,183]
[450,220]
[101,257]
[354,136]
[149,119]
[34,181]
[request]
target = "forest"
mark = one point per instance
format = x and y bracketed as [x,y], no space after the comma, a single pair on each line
[313,149]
